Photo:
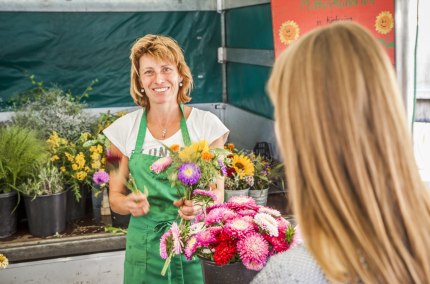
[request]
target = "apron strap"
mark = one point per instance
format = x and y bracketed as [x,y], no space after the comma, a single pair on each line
[142,131]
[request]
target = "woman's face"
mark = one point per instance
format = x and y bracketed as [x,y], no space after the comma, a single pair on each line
[159,79]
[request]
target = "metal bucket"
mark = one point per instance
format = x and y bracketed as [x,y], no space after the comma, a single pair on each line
[260,196]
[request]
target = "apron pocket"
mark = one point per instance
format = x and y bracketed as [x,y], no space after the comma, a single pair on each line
[137,243]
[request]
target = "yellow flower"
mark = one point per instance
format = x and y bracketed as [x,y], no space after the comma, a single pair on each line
[63,169]
[95,156]
[85,136]
[4,262]
[80,160]
[69,157]
[242,165]
[96,165]
[384,22]
[93,149]
[81,175]
[191,152]
[54,158]
[87,169]
[53,140]
[99,149]
[75,167]
[289,32]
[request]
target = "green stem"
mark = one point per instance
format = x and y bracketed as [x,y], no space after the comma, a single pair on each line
[166,265]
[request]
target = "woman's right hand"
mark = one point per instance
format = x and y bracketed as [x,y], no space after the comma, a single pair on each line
[137,203]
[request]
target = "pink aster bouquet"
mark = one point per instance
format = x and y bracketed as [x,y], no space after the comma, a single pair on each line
[193,171]
[237,230]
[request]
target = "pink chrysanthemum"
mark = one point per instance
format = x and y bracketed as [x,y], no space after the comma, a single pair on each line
[190,248]
[220,215]
[163,244]
[197,227]
[200,217]
[267,223]
[203,192]
[238,227]
[242,202]
[247,212]
[253,251]
[282,224]
[297,238]
[218,205]
[161,164]
[176,239]
[270,211]
[101,177]
[205,238]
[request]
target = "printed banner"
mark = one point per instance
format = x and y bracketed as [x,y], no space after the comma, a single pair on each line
[294,18]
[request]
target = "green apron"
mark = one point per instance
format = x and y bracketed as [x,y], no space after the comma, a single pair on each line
[143,263]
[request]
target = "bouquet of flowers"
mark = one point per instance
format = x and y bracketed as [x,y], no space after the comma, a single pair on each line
[266,171]
[193,170]
[240,169]
[237,230]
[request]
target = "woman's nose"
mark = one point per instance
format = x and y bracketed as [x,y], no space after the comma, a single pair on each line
[159,78]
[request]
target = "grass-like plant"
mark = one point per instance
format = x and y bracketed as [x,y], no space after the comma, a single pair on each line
[48,181]
[21,152]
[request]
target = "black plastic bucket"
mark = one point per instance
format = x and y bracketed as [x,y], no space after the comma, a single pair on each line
[46,214]
[76,209]
[235,273]
[8,217]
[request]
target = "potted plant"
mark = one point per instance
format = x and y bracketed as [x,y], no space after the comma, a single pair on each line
[265,174]
[233,240]
[21,151]
[240,173]
[45,201]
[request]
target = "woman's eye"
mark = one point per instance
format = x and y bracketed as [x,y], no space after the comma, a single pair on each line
[147,72]
[167,69]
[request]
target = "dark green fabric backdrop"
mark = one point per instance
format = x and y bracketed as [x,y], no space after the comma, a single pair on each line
[72,49]
[249,27]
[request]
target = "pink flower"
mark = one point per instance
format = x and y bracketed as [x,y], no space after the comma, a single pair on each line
[161,164]
[238,227]
[197,227]
[163,244]
[219,215]
[253,251]
[218,205]
[242,202]
[297,238]
[176,239]
[190,248]
[267,223]
[282,224]
[270,211]
[247,212]
[101,177]
[203,192]
[205,238]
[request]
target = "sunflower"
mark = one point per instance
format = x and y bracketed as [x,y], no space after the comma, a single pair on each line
[384,22]
[289,32]
[242,165]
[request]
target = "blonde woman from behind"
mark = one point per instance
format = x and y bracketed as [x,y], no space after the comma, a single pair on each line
[363,210]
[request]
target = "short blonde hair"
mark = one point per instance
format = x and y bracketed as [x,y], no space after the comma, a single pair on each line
[354,185]
[161,48]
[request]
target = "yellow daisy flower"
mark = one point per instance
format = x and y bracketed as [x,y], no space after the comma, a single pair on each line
[289,32]
[93,149]
[81,175]
[384,22]
[99,149]
[69,157]
[4,262]
[75,167]
[242,165]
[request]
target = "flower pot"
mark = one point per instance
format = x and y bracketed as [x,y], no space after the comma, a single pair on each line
[260,196]
[97,205]
[235,273]
[8,216]
[46,214]
[229,193]
[119,221]
[76,209]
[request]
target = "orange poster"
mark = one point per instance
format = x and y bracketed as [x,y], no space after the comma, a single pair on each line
[294,18]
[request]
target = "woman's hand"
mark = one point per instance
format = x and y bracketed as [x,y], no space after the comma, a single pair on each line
[137,204]
[187,209]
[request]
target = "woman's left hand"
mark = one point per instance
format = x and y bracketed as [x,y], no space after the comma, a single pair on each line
[187,209]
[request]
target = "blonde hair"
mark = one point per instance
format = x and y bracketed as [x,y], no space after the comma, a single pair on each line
[355,189]
[161,48]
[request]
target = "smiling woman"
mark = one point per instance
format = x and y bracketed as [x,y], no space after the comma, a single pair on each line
[161,83]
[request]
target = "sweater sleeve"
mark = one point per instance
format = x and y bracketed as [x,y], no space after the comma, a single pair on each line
[295,265]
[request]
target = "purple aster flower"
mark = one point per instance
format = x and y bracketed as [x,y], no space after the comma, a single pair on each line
[223,168]
[189,174]
[203,192]
[101,177]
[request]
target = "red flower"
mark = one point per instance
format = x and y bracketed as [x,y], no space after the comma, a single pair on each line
[278,244]
[230,172]
[224,252]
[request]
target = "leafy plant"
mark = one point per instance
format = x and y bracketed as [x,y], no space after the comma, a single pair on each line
[52,109]
[21,152]
[48,181]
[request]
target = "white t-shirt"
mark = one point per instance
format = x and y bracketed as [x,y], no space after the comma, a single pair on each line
[202,125]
